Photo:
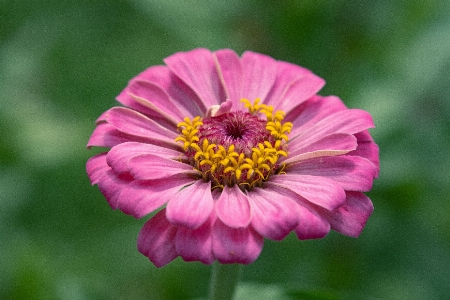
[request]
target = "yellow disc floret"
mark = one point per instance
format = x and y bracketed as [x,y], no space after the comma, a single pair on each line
[227,164]
[189,132]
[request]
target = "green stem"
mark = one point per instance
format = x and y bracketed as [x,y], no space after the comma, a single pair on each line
[224,279]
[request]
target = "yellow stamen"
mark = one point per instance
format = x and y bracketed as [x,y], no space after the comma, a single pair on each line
[252,108]
[228,166]
[189,133]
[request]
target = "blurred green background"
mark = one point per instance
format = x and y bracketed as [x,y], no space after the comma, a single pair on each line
[63,62]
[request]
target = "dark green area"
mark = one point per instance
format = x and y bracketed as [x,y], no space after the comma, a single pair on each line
[63,62]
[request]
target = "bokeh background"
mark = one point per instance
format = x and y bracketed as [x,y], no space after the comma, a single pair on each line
[63,62]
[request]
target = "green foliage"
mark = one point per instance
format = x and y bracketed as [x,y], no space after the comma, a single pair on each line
[63,62]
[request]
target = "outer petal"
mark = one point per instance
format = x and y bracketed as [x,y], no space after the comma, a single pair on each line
[157,240]
[233,207]
[198,70]
[133,123]
[274,215]
[312,224]
[308,113]
[334,141]
[133,97]
[105,135]
[96,166]
[333,144]
[155,100]
[259,74]
[287,75]
[149,166]
[111,185]
[352,173]
[119,155]
[151,73]
[350,218]
[196,244]
[367,149]
[299,91]
[348,121]
[235,245]
[180,94]
[230,71]
[140,198]
[191,206]
[320,191]
[315,154]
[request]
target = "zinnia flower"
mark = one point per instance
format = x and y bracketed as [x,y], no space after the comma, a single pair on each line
[227,151]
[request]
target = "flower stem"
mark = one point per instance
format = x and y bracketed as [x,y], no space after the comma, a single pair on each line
[224,279]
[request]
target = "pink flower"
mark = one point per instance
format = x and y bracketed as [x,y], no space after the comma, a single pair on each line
[230,150]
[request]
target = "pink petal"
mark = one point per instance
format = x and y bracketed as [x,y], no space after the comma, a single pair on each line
[133,123]
[364,136]
[259,74]
[350,218]
[315,154]
[155,100]
[119,155]
[105,135]
[230,71]
[111,185]
[140,198]
[299,91]
[312,222]
[217,110]
[151,73]
[320,191]
[191,206]
[157,240]
[341,143]
[352,173]
[196,244]
[96,166]
[235,245]
[287,75]
[308,113]
[233,208]
[274,215]
[368,149]
[146,108]
[101,118]
[334,141]
[348,121]
[181,95]
[312,225]
[197,69]
[150,166]
[154,97]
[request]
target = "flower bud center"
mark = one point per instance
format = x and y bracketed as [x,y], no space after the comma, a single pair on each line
[241,129]
[236,147]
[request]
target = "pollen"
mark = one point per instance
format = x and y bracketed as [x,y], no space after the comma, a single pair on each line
[240,147]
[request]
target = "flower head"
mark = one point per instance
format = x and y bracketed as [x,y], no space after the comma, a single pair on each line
[230,150]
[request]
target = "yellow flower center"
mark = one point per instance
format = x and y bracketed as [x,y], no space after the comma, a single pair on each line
[237,147]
